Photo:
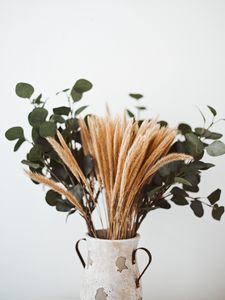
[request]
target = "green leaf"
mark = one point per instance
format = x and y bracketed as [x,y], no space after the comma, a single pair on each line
[214,196]
[213,111]
[162,203]
[162,123]
[179,200]
[57,119]
[14,133]
[77,191]
[154,191]
[197,208]
[31,164]
[182,181]
[176,191]
[37,116]
[81,86]
[141,107]
[35,134]
[35,153]
[130,114]
[62,110]
[76,96]
[18,144]
[87,165]
[217,148]
[52,197]
[136,96]
[207,134]
[184,128]
[47,129]
[24,90]
[63,205]
[195,141]
[197,165]
[217,212]
[80,109]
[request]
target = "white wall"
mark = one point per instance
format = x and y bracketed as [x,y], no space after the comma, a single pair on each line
[171,51]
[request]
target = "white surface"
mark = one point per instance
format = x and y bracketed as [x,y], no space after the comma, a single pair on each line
[171,51]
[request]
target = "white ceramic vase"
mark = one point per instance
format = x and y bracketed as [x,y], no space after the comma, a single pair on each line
[111,270]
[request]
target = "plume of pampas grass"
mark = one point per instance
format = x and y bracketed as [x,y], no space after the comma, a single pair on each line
[126,156]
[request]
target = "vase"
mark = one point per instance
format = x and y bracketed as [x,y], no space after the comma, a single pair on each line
[111,270]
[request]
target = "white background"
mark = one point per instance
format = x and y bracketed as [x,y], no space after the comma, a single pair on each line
[171,51]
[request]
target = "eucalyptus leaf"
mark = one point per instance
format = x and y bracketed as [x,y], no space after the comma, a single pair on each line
[140,107]
[24,90]
[52,197]
[47,129]
[162,123]
[217,212]
[154,191]
[14,133]
[31,164]
[179,200]
[213,111]
[37,116]
[77,191]
[184,128]
[217,148]
[182,181]
[176,191]
[87,164]
[136,96]
[81,86]
[162,203]
[62,110]
[80,109]
[35,153]
[130,114]
[18,144]
[197,208]
[214,196]
[207,134]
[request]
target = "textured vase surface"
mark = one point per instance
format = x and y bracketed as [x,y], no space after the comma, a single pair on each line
[110,273]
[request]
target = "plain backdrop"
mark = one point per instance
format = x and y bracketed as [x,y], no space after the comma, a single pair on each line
[171,51]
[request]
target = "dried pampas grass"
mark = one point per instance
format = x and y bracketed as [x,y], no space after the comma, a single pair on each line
[126,156]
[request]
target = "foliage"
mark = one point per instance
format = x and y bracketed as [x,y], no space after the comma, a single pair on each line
[176,183]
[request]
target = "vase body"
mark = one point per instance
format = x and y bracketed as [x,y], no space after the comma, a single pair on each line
[111,272]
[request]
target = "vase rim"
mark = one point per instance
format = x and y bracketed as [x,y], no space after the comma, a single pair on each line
[137,237]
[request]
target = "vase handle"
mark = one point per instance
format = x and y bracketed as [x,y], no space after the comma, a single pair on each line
[78,252]
[134,261]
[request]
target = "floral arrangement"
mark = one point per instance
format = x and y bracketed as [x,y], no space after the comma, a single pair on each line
[116,168]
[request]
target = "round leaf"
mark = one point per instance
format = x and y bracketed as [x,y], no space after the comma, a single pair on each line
[214,196]
[35,153]
[52,197]
[217,212]
[82,85]
[47,129]
[197,208]
[184,128]
[24,90]
[217,148]
[14,133]
[37,116]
